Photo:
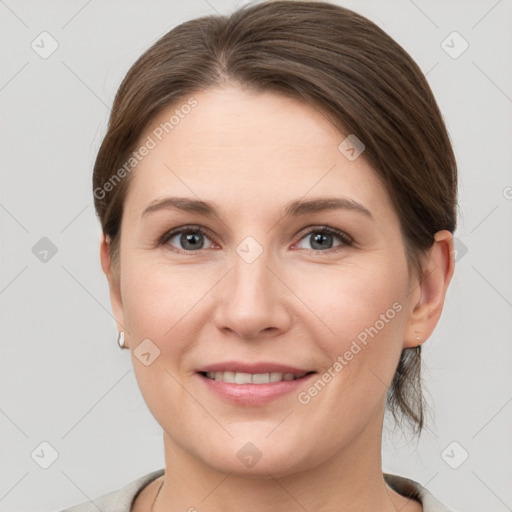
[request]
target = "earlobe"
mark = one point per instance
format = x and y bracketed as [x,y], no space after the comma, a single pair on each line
[425,313]
[113,282]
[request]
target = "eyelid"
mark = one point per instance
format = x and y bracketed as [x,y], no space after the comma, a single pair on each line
[183,229]
[347,240]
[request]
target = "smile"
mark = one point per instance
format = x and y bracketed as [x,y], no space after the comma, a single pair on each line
[253,389]
[252,378]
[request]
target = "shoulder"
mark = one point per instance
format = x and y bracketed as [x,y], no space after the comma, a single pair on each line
[119,500]
[411,489]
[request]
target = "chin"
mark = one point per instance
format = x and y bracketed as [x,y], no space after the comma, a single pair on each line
[262,469]
[261,458]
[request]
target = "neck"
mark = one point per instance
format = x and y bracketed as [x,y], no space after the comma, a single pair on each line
[348,480]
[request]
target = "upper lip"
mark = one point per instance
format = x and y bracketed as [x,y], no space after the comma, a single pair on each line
[262,367]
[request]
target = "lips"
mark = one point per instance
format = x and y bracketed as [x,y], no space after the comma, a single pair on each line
[253,384]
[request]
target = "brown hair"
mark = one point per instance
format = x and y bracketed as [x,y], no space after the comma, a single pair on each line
[332,58]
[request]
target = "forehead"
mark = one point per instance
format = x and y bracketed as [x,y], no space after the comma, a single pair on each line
[251,149]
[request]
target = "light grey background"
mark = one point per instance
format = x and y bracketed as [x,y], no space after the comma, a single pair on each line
[63,379]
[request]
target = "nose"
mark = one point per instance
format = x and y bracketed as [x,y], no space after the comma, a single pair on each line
[252,301]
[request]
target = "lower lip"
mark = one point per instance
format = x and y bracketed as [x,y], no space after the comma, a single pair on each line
[253,394]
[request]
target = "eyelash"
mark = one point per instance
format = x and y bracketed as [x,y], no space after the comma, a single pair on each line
[347,241]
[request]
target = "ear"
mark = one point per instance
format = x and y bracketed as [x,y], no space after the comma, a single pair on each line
[113,281]
[429,292]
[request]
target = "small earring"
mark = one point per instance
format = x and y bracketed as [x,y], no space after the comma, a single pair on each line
[120,340]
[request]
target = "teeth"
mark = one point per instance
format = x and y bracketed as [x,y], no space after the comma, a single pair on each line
[261,378]
[240,378]
[252,378]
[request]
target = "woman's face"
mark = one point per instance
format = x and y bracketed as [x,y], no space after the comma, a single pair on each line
[263,290]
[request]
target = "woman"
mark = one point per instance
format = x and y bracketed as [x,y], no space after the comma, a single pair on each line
[277,193]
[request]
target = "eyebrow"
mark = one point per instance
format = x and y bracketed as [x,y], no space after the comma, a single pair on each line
[294,208]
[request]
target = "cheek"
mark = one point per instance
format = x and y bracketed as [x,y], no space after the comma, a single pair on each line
[341,301]
[362,318]
[156,308]
[156,297]
[348,300]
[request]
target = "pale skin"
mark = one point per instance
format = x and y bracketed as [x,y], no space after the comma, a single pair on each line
[250,154]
